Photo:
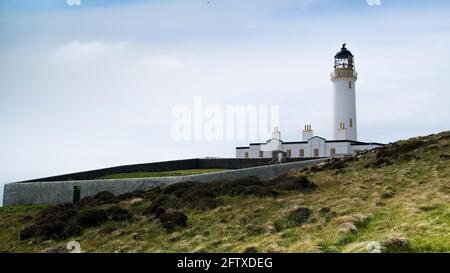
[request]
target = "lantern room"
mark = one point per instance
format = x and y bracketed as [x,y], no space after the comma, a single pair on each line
[344,59]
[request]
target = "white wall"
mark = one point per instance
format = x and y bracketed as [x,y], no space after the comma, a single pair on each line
[342,148]
[344,108]
[240,153]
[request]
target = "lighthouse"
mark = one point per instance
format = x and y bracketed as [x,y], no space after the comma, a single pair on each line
[345,138]
[344,78]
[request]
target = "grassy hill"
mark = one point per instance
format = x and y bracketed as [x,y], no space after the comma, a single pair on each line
[395,199]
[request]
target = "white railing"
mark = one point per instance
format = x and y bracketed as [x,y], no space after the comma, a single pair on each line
[344,73]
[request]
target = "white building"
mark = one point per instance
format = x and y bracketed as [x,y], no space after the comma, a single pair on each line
[345,133]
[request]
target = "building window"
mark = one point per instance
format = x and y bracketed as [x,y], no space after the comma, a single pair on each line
[289,153]
[350,84]
[246,155]
[332,151]
[301,153]
[316,152]
[351,123]
[261,154]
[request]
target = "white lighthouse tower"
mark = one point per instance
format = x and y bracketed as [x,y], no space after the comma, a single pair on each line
[344,78]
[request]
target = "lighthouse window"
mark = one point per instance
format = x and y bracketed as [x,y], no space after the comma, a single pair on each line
[351,123]
[350,84]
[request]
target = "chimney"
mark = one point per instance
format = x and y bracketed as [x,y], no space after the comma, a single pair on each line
[276,133]
[307,132]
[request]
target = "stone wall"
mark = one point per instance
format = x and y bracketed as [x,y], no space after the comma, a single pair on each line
[55,192]
[186,164]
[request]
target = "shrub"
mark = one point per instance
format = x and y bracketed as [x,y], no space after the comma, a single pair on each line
[388,193]
[255,190]
[250,249]
[153,210]
[96,217]
[299,216]
[396,150]
[171,220]
[50,223]
[294,184]
[132,195]
[381,162]
[166,201]
[100,198]
[92,217]
[118,214]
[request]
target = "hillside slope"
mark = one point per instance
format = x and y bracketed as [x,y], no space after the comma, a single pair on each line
[396,199]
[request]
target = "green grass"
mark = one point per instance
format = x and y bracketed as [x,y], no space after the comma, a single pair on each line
[418,211]
[160,174]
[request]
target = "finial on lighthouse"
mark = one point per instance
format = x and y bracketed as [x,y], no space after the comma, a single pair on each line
[343,46]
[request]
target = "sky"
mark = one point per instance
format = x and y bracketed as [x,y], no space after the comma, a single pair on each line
[86,84]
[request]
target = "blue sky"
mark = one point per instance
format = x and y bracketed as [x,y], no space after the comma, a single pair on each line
[91,86]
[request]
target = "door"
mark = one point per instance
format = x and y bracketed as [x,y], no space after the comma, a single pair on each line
[76,193]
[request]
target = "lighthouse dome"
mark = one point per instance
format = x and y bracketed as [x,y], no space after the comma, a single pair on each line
[344,53]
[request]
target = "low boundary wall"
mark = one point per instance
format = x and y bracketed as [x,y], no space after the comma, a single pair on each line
[57,192]
[185,164]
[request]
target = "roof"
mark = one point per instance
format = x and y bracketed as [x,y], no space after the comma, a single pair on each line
[355,143]
[318,137]
[344,53]
[352,142]
[295,142]
[367,143]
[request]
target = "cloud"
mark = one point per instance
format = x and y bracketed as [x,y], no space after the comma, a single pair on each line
[158,63]
[75,51]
